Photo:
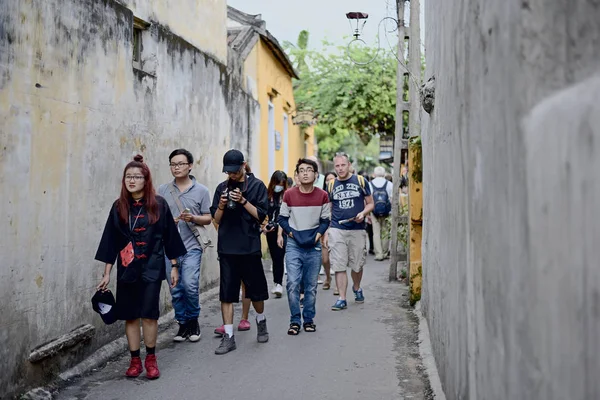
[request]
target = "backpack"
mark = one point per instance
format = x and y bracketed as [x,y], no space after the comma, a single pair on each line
[361,182]
[383,205]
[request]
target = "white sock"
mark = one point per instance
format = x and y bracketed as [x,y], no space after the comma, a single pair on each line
[260,317]
[229,330]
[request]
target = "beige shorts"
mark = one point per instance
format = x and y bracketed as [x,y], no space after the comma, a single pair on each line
[347,249]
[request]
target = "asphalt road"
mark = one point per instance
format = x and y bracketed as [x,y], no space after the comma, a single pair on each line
[368,351]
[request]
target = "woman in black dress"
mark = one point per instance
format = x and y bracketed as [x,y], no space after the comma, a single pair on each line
[277,186]
[139,231]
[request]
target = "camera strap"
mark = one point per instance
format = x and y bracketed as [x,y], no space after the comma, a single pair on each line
[199,231]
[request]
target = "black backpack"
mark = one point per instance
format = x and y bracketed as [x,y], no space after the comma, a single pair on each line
[383,205]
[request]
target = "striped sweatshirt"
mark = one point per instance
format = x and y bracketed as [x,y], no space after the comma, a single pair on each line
[304,215]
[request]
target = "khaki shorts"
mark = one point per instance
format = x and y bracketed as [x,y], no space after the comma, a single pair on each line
[347,249]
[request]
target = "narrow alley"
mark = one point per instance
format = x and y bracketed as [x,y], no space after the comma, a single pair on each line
[368,351]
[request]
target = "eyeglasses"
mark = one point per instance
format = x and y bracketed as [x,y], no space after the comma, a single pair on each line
[134,177]
[178,165]
[305,171]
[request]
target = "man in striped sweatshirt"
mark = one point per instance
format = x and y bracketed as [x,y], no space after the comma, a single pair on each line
[304,218]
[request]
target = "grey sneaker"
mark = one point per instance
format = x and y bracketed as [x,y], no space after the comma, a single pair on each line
[262,334]
[227,345]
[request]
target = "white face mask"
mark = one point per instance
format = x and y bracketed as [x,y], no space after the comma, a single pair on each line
[278,189]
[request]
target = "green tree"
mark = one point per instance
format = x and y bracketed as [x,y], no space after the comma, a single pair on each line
[348,98]
[300,50]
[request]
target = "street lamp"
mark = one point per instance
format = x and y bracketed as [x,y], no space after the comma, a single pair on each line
[357,16]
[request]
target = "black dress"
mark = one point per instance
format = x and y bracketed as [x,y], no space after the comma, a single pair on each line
[138,284]
[277,253]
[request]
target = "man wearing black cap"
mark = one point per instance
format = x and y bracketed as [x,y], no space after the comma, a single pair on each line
[239,207]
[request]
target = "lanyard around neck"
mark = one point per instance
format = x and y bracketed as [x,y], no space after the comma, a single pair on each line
[136,219]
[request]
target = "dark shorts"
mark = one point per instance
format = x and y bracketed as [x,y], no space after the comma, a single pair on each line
[236,269]
[138,300]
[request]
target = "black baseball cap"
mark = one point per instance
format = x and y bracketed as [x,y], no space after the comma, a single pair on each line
[233,161]
[104,304]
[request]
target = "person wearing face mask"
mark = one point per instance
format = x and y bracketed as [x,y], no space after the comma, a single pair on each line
[277,186]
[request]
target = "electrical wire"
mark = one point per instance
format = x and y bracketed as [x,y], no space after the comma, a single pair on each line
[400,61]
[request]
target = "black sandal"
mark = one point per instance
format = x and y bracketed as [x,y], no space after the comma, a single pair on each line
[294,329]
[310,327]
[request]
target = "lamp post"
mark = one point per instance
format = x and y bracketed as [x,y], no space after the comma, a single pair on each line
[412,106]
[399,143]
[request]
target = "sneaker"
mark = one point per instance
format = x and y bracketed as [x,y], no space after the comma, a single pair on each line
[277,290]
[152,371]
[220,331]
[339,305]
[194,331]
[358,295]
[227,345]
[244,325]
[135,367]
[262,335]
[182,333]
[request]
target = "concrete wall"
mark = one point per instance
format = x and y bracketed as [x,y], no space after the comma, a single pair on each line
[201,22]
[511,284]
[72,113]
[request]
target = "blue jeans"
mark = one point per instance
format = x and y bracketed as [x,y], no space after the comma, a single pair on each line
[303,265]
[185,296]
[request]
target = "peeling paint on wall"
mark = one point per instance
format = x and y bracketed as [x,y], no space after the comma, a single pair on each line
[73,111]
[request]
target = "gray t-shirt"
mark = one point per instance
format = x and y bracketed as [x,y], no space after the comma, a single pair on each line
[196,198]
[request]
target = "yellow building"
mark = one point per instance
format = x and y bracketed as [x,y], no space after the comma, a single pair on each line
[267,73]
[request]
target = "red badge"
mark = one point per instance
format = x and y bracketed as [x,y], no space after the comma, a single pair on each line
[127,254]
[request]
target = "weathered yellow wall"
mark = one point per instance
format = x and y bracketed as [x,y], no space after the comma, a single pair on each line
[272,75]
[200,22]
[415,212]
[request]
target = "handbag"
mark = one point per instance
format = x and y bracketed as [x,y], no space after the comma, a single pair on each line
[127,253]
[200,232]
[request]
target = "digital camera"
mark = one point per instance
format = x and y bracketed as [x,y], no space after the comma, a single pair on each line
[270,225]
[231,204]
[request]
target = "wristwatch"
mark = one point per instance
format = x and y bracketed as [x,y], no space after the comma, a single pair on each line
[244,203]
[176,265]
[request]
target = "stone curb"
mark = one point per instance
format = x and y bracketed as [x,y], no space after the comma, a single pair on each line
[108,352]
[118,346]
[427,355]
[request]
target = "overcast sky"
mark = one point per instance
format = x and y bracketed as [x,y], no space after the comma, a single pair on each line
[322,18]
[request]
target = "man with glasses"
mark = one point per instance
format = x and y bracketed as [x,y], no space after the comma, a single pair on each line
[189,202]
[351,202]
[304,218]
[239,207]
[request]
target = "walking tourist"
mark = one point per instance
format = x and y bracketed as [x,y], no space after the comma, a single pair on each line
[351,202]
[329,176]
[275,192]
[138,234]
[304,218]
[239,207]
[382,191]
[189,201]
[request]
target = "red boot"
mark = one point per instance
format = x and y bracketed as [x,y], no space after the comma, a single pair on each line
[152,371]
[135,367]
